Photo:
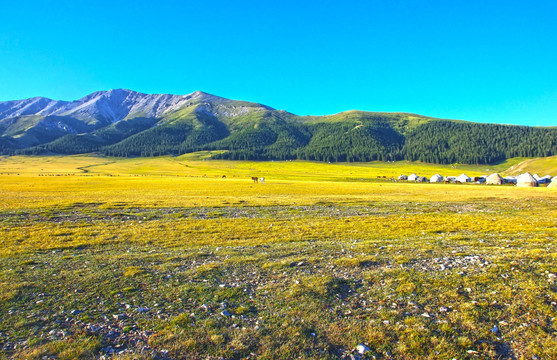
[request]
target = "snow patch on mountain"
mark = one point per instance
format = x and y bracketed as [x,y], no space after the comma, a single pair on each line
[106,107]
[32,106]
[49,123]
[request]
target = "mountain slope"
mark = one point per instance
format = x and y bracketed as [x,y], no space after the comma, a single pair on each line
[127,123]
[541,166]
[22,120]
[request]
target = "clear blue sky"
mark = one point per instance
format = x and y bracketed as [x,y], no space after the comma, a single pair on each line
[488,61]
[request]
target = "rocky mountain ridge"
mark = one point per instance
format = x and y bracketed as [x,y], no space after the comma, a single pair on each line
[127,123]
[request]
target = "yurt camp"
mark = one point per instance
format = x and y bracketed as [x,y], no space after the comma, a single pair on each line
[494,179]
[544,180]
[463,178]
[526,180]
[412,177]
[436,178]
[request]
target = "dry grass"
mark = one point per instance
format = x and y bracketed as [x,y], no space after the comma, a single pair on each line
[542,166]
[161,261]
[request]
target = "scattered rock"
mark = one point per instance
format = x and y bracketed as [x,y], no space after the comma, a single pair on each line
[362,349]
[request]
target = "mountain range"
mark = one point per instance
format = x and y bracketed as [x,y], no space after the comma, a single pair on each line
[127,123]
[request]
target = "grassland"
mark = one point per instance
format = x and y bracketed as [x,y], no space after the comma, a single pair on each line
[165,258]
[547,165]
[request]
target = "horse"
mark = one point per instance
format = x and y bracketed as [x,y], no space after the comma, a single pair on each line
[255,179]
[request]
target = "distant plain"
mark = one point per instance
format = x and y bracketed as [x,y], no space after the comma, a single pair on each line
[187,257]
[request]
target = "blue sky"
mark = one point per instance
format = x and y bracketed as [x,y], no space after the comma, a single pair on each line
[486,61]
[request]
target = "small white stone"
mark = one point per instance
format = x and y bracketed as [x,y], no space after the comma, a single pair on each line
[362,349]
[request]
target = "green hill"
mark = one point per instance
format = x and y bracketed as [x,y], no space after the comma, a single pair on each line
[540,166]
[135,124]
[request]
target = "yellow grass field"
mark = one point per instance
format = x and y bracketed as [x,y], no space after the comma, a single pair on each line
[197,164]
[186,257]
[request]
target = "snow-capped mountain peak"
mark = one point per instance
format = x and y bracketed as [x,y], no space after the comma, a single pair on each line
[104,106]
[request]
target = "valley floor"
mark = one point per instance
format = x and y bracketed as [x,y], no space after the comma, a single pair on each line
[166,258]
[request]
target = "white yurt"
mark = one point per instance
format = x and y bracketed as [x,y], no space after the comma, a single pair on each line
[436,178]
[412,177]
[553,183]
[463,178]
[494,179]
[526,180]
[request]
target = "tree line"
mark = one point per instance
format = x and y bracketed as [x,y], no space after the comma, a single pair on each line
[353,140]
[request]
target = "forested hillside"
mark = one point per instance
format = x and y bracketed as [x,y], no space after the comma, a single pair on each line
[448,142]
[370,137]
[125,123]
